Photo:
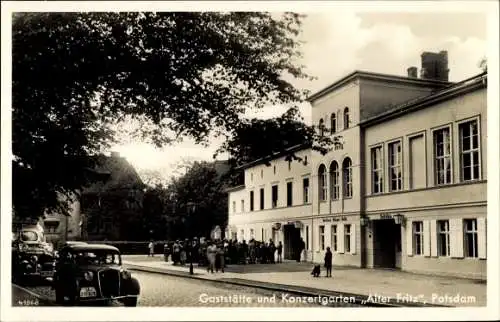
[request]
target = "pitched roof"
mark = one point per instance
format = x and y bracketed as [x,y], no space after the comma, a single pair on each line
[449,92]
[117,174]
[377,76]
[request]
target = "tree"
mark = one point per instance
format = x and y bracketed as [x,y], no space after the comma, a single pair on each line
[77,75]
[204,188]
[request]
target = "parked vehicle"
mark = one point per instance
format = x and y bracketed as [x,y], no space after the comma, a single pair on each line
[32,257]
[93,273]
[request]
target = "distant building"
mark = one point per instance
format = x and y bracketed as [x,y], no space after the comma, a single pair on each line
[404,187]
[109,209]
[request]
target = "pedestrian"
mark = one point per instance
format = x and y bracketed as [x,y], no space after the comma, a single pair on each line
[151,247]
[211,254]
[280,251]
[328,262]
[272,251]
[302,246]
[176,252]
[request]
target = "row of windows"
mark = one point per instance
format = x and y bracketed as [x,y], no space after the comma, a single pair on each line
[334,122]
[275,195]
[335,180]
[347,237]
[443,238]
[442,156]
[304,162]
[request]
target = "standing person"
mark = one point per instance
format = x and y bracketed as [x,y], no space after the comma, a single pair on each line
[302,246]
[272,251]
[328,262]
[211,253]
[151,247]
[280,251]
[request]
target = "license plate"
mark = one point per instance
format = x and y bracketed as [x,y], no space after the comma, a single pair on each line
[46,273]
[88,292]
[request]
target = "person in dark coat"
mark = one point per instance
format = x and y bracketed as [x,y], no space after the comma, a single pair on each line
[328,262]
[280,251]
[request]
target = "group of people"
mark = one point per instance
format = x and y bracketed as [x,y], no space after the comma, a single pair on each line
[217,254]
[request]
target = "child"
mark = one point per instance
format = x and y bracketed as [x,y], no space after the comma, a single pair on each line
[328,262]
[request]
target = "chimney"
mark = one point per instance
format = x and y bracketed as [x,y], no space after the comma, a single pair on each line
[435,66]
[412,72]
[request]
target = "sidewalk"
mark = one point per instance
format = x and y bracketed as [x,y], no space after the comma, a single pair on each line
[374,286]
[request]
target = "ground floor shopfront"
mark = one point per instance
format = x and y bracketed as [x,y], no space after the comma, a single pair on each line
[450,242]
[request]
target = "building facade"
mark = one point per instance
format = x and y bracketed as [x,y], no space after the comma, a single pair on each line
[404,188]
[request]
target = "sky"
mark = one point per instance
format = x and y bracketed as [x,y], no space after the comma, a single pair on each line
[337,43]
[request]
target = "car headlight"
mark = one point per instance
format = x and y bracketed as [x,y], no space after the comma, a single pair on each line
[126,275]
[34,258]
[88,276]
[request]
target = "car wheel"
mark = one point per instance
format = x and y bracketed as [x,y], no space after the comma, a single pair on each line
[130,301]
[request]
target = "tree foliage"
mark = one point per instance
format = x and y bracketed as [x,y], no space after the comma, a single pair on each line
[77,75]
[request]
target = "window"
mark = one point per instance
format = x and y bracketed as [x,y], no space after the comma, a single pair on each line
[470,238]
[347,238]
[251,177]
[252,234]
[274,195]
[443,241]
[242,205]
[305,185]
[305,160]
[346,118]
[418,238]
[251,200]
[262,173]
[442,156]
[51,227]
[261,198]
[307,237]
[321,127]
[322,182]
[334,180]
[377,172]
[274,169]
[234,206]
[289,194]
[333,123]
[322,237]
[289,165]
[469,151]
[347,170]
[334,238]
[395,179]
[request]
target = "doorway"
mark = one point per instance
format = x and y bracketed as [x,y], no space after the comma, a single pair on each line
[292,241]
[386,244]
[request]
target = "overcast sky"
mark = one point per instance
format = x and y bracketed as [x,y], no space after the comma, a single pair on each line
[342,41]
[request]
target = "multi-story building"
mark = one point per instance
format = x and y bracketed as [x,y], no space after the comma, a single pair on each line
[404,187]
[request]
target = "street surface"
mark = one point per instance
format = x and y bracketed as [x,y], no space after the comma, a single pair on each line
[171,291]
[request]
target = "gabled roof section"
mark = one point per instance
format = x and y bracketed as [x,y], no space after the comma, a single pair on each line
[273,156]
[118,174]
[468,85]
[376,76]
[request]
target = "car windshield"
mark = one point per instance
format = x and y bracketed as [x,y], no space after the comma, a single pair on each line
[29,236]
[96,258]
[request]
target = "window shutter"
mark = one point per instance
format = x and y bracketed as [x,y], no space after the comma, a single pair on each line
[353,239]
[456,238]
[409,237]
[340,238]
[434,239]
[427,238]
[481,237]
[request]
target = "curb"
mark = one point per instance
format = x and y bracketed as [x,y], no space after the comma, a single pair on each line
[360,299]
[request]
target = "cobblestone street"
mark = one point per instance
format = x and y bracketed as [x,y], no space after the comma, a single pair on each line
[169,291]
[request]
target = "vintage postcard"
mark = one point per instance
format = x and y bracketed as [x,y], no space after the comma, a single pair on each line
[249,160]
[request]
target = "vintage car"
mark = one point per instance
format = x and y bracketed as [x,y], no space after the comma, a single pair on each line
[93,273]
[32,257]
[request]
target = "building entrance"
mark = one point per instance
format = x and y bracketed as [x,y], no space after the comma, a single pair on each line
[386,244]
[292,241]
